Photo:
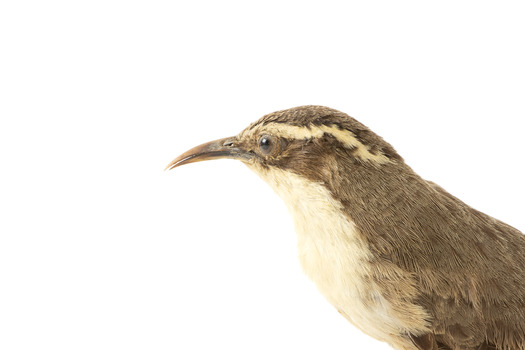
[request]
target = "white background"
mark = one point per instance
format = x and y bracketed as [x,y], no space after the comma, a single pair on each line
[101,249]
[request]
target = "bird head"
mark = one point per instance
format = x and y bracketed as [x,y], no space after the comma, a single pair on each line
[337,178]
[313,142]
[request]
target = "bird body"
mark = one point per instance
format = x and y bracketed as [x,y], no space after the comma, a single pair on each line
[396,255]
[333,255]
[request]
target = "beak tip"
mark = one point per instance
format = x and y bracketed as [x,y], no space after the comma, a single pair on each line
[170,166]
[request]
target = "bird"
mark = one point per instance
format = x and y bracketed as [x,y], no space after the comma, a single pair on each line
[399,257]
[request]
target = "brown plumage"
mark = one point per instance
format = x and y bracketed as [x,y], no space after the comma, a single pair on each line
[438,273]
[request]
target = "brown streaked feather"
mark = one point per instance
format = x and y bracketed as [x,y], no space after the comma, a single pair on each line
[425,342]
[468,267]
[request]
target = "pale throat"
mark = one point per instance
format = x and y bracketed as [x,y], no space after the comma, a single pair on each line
[333,254]
[328,241]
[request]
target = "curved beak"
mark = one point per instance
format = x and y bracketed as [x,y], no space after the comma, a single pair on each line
[218,149]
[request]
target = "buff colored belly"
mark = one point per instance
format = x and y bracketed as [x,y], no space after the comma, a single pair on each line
[337,260]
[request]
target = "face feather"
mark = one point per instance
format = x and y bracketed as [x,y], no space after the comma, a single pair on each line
[310,140]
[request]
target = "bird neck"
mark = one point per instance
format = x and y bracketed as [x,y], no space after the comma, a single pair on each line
[334,253]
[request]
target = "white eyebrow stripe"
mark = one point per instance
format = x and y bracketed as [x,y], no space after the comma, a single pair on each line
[345,137]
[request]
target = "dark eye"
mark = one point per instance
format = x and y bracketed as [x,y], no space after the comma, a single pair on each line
[266,144]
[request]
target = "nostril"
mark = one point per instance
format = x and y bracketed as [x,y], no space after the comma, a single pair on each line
[228,144]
